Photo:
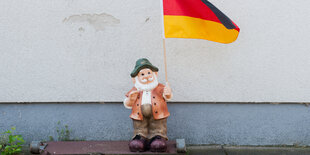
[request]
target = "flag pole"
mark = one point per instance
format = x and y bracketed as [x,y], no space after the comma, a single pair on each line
[164,38]
[165,59]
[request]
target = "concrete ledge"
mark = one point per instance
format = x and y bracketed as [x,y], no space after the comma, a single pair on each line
[246,150]
[234,150]
[202,150]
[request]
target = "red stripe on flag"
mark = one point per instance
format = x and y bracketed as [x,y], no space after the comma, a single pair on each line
[192,8]
[237,28]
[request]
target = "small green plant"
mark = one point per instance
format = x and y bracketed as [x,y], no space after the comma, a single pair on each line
[10,143]
[63,133]
[51,138]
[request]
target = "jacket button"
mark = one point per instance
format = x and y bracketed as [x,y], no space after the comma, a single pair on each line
[154,103]
[153,96]
[137,104]
[138,97]
[138,113]
[156,112]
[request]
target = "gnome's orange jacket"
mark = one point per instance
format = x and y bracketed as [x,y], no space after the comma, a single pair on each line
[159,105]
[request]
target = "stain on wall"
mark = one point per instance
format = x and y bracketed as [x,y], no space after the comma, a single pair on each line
[147,19]
[81,29]
[98,21]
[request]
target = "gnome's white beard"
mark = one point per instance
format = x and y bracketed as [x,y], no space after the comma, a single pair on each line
[146,87]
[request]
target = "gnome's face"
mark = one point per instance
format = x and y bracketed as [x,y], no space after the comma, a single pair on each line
[146,76]
[145,80]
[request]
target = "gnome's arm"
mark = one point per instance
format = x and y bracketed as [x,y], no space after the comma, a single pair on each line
[127,104]
[167,93]
[131,97]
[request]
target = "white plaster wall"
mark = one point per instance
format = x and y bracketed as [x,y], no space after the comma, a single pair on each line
[77,50]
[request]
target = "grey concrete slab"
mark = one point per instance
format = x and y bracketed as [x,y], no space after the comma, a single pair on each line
[197,123]
[243,150]
[205,150]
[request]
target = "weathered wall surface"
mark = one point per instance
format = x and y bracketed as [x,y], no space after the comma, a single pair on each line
[235,124]
[85,50]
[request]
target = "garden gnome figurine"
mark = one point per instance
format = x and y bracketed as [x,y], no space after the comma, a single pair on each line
[147,99]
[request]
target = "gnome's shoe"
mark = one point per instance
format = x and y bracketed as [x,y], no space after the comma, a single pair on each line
[138,144]
[158,144]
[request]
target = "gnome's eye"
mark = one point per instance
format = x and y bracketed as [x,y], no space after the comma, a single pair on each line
[149,72]
[142,74]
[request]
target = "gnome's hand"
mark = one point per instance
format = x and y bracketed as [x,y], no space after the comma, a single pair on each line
[133,96]
[167,91]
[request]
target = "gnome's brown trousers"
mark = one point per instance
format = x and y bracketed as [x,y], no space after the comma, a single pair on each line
[149,127]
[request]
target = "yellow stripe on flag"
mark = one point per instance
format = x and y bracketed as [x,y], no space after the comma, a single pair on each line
[196,28]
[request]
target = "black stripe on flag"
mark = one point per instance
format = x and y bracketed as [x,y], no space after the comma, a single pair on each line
[220,15]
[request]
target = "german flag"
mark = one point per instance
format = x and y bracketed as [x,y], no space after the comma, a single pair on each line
[197,19]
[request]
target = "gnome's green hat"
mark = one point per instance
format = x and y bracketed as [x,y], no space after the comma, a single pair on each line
[141,64]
